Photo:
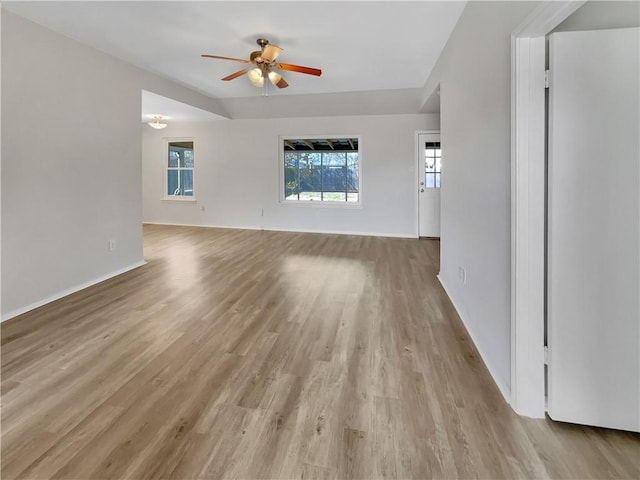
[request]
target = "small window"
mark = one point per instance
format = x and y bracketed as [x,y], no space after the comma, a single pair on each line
[432,163]
[179,170]
[323,170]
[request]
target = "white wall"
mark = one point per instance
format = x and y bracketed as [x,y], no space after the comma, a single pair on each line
[377,102]
[602,14]
[70,168]
[237,175]
[0,170]
[474,77]
[71,171]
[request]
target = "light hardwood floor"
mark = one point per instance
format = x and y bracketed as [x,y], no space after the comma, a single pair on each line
[247,354]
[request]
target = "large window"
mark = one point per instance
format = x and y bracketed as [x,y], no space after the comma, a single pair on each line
[321,170]
[179,170]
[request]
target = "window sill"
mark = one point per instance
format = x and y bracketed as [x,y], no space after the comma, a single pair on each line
[179,199]
[312,203]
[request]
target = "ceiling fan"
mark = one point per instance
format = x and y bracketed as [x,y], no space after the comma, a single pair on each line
[265,65]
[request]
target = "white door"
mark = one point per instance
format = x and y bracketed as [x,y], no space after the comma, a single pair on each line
[594,223]
[429,162]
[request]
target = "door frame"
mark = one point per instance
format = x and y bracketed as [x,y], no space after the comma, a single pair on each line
[528,199]
[418,163]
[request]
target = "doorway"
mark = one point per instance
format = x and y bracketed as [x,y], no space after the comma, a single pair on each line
[429,163]
[528,199]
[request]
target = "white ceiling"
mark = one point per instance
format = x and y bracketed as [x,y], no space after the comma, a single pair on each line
[360,46]
[154,105]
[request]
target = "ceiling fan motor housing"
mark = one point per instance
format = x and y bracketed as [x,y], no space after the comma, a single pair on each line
[255,56]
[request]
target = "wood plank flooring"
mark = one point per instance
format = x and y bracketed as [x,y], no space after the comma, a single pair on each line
[246,354]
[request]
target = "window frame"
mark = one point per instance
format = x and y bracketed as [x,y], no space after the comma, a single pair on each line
[317,203]
[437,162]
[165,171]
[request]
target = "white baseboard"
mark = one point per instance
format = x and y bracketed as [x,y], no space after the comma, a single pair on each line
[230,227]
[504,390]
[69,291]
[348,232]
[328,232]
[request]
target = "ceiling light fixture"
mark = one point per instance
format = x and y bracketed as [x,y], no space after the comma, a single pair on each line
[259,75]
[275,77]
[156,123]
[255,75]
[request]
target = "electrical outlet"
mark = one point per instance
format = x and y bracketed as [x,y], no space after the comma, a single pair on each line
[112,245]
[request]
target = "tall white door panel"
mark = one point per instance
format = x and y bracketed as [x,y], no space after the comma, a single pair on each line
[594,221]
[429,163]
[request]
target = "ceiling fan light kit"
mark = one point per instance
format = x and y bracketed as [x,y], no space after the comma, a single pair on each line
[264,65]
[275,78]
[255,75]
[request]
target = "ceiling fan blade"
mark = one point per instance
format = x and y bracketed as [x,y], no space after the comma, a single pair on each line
[235,75]
[298,68]
[270,53]
[226,58]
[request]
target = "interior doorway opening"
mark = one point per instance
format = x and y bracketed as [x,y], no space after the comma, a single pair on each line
[429,173]
[428,182]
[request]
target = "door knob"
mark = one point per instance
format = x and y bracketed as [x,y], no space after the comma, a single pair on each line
[422,190]
[421,183]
